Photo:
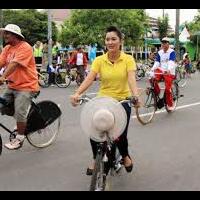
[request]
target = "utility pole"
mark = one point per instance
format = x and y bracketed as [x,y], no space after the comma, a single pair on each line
[163,11]
[177,47]
[49,37]
[1,26]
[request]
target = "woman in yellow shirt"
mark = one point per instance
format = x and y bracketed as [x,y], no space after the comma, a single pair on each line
[117,73]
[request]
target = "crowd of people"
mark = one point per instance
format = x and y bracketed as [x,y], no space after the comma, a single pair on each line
[115,67]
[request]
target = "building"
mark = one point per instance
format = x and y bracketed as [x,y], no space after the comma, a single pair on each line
[59,15]
[154,30]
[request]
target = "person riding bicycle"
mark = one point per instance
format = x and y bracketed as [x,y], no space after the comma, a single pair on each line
[117,73]
[20,68]
[79,60]
[165,63]
[188,65]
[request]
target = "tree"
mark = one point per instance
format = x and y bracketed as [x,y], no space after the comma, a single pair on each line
[163,24]
[87,26]
[194,26]
[32,23]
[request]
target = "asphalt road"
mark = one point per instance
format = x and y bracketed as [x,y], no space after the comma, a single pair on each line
[166,152]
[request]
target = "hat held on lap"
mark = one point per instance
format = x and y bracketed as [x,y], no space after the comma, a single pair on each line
[102,117]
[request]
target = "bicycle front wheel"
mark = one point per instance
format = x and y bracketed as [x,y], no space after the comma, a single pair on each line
[181,77]
[44,137]
[139,74]
[175,96]
[146,111]
[98,181]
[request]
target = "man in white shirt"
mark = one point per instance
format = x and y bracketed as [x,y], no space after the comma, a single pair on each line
[79,59]
[165,65]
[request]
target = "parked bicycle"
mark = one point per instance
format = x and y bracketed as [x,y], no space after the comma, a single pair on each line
[141,71]
[73,75]
[43,122]
[60,78]
[150,101]
[43,79]
[108,160]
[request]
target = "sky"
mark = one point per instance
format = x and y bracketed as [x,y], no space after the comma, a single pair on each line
[185,15]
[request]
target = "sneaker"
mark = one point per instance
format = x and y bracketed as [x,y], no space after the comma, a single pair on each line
[171,108]
[15,143]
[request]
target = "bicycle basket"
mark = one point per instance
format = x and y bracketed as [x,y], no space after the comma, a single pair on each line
[41,115]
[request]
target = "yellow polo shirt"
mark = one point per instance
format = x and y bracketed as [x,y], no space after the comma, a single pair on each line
[114,77]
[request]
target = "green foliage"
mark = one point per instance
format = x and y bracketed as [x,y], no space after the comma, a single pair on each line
[163,24]
[194,26]
[34,24]
[87,26]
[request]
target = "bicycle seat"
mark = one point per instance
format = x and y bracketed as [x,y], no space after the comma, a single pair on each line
[36,94]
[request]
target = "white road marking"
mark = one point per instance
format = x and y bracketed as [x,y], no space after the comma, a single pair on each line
[177,108]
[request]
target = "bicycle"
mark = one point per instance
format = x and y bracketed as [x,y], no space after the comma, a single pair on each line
[43,122]
[150,101]
[141,71]
[108,158]
[43,79]
[181,75]
[60,78]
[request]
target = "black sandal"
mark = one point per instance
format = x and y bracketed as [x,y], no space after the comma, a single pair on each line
[130,167]
[89,171]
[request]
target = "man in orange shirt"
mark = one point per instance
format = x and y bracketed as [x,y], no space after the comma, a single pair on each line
[18,59]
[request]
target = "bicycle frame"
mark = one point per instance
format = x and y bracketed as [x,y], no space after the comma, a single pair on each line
[106,160]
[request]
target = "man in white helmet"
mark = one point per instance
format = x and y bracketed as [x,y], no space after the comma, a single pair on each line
[18,59]
[165,64]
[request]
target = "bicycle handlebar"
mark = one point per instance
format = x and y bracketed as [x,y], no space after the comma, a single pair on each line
[8,81]
[151,74]
[133,100]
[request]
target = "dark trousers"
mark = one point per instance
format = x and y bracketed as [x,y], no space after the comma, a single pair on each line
[81,70]
[122,141]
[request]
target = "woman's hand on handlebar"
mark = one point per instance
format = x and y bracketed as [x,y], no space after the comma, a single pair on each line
[75,99]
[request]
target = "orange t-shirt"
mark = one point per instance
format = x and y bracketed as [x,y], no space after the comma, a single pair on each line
[25,76]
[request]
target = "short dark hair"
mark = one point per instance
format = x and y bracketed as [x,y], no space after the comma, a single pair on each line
[116,30]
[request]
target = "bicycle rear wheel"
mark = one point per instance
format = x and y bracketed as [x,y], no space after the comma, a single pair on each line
[44,137]
[43,79]
[43,124]
[98,181]
[146,111]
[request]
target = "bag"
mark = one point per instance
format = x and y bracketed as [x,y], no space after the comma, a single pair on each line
[7,108]
[160,102]
[41,115]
